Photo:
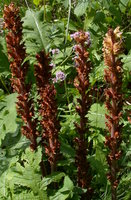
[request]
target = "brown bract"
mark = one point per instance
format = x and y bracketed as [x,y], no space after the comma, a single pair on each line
[82,84]
[48,109]
[16,56]
[112,47]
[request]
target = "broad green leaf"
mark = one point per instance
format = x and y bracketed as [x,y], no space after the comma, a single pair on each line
[8,116]
[68,184]
[97,115]
[35,33]
[81,7]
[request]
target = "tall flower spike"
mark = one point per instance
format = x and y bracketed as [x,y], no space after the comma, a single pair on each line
[112,47]
[16,56]
[48,109]
[82,84]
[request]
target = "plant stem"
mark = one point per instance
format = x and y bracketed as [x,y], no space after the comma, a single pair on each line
[69,12]
[43,168]
[65,83]
[44,2]
[4,85]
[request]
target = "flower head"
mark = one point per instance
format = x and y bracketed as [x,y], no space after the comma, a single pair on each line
[60,76]
[82,37]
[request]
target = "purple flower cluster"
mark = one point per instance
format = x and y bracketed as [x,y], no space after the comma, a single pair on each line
[55,51]
[80,36]
[60,76]
[83,40]
[76,34]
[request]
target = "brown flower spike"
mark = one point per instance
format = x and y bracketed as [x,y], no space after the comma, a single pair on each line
[83,86]
[16,56]
[48,109]
[112,47]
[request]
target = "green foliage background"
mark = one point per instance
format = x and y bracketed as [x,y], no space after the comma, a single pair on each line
[48,24]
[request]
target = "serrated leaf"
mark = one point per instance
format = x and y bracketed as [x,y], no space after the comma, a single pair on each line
[27,174]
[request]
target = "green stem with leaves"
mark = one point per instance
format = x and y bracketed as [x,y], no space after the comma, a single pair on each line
[67,29]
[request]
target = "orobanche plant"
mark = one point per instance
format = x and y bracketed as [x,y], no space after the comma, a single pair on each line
[58,148]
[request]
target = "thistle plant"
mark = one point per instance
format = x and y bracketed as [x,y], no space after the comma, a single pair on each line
[16,56]
[83,86]
[112,47]
[48,109]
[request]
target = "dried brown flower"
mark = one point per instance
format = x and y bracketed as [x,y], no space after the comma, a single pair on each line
[16,56]
[83,86]
[112,47]
[48,109]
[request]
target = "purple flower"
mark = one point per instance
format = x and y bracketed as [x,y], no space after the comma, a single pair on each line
[72,36]
[55,51]
[82,36]
[60,76]
[76,34]
[88,40]
[52,65]
[87,34]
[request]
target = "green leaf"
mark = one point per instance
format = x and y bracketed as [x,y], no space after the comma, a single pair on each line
[67,150]
[123,5]
[3,188]
[99,17]
[97,115]
[55,177]
[35,33]
[4,64]
[68,184]
[65,192]
[8,116]
[37,2]
[27,174]
[81,7]
[127,61]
